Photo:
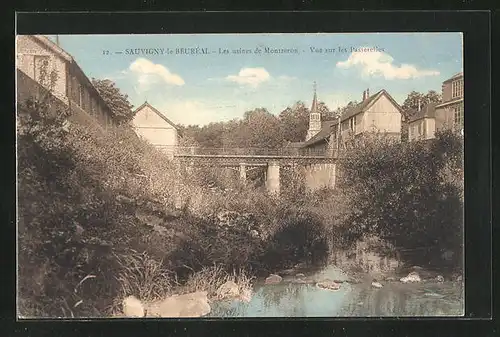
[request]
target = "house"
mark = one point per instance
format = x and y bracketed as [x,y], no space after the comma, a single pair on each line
[422,123]
[376,113]
[450,113]
[37,58]
[152,125]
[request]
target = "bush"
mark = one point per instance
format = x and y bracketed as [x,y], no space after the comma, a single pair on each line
[300,237]
[97,221]
[78,192]
[408,194]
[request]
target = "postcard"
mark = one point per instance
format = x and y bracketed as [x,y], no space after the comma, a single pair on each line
[240,175]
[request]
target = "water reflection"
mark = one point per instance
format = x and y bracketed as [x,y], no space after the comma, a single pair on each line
[396,299]
[352,300]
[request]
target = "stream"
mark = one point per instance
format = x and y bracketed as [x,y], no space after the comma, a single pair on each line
[291,299]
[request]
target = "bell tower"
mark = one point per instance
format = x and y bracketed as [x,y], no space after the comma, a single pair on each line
[314,117]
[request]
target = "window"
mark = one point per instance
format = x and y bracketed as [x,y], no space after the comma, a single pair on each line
[352,123]
[41,68]
[419,129]
[457,88]
[458,115]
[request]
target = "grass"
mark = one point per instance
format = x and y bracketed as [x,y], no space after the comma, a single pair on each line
[209,279]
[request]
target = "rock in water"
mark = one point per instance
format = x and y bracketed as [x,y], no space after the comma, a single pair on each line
[377,285]
[412,277]
[132,307]
[273,279]
[328,285]
[228,290]
[188,305]
[440,278]
[300,275]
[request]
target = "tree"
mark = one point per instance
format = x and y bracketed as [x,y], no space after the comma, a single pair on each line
[294,122]
[120,106]
[324,110]
[408,194]
[261,129]
[411,105]
[342,110]
[187,138]
[414,99]
[211,135]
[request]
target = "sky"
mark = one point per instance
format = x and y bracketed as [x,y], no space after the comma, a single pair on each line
[221,82]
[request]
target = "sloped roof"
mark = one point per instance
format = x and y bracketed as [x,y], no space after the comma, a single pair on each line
[457,75]
[156,111]
[324,133]
[367,103]
[314,106]
[74,66]
[428,111]
[326,129]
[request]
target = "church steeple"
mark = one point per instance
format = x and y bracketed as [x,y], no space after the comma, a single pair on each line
[314,117]
[314,106]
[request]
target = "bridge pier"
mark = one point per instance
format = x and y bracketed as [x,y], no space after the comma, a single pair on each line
[243,173]
[273,178]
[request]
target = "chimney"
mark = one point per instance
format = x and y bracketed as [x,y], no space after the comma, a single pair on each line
[57,40]
[367,93]
[364,96]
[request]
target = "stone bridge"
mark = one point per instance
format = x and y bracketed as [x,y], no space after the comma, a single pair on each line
[318,165]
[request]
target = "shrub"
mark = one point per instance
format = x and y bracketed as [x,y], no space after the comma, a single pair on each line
[402,192]
[300,237]
[210,278]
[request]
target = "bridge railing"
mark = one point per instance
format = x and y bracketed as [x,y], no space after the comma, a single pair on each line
[253,151]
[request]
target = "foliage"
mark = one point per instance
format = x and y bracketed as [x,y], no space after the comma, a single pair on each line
[257,128]
[416,99]
[97,222]
[402,193]
[210,278]
[411,104]
[343,109]
[299,237]
[143,276]
[295,122]
[116,100]
[323,109]
[78,190]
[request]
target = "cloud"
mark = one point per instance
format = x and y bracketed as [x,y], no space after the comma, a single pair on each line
[250,76]
[382,64]
[148,73]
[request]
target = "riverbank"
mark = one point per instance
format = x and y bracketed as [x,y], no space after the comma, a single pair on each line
[98,220]
[300,296]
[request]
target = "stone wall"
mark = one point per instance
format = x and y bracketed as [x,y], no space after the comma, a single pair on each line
[27,88]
